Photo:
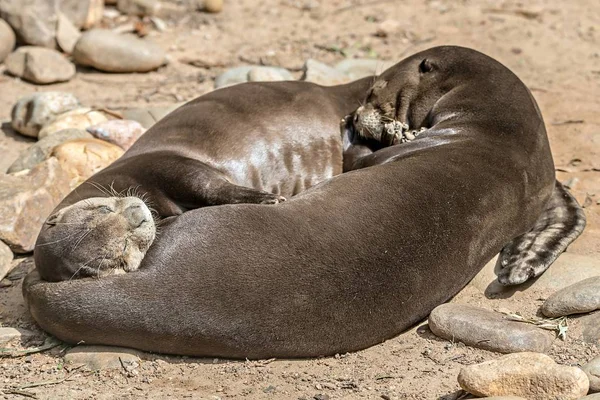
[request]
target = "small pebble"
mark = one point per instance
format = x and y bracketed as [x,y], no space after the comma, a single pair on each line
[123,133]
[582,297]
[242,74]
[7,40]
[32,112]
[323,74]
[39,65]
[103,357]
[213,6]
[8,334]
[67,34]
[6,257]
[592,370]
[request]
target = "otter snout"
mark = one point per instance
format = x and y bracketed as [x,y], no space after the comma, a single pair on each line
[368,122]
[137,215]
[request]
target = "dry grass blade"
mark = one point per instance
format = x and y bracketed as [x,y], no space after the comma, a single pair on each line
[559,325]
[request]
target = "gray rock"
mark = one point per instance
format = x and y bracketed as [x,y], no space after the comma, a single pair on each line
[102,357]
[591,328]
[582,297]
[67,34]
[534,376]
[40,65]
[139,7]
[242,74]
[9,334]
[487,330]
[265,75]
[149,116]
[26,200]
[6,257]
[41,150]
[323,74]
[356,68]
[592,370]
[567,270]
[32,112]
[34,21]
[7,40]
[109,51]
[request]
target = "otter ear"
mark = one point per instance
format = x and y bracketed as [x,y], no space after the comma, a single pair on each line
[426,66]
[52,220]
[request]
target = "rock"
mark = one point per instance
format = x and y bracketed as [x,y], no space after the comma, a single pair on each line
[265,74]
[111,52]
[323,74]
[34,111]
[8,334]
[102,357]
[6,257]
[592,370]
[213,6]
[140,8]
[502,398]
[591,328]
[82,158]
[531,375]
[67,34]
[567,270]
[26,200]
[591,397]
[34,21]
[83,13]
[41,150]
[582,297]
[7,40]
[487,330]
[121,132]
[149,116]
[241,74]
[356,68]
[39,65]
[79,118]
[387,28]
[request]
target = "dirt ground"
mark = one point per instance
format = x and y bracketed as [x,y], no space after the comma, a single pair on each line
[553,46]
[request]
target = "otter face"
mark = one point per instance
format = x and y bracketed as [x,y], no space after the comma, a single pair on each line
[95,237]
[400,99]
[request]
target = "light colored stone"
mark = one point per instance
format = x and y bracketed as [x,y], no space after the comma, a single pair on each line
[8,334]
[237,75]
[6,257]
[488,330]
[356,68]
[534,376]
[140,8]
[67,34]
[40,65]
[388,27]
[83,13]
[102,357]
[323,74]
[591,328]
[149,116]
[82,158]
[592,370]
[41,150]
[26,200]
[121,132]
[79,118]
[503,398]
[582,297]
[7,40]
[109,51]
[34,21]
[591,397]
[567,270]
[32,112]
[212,6]
[265,75]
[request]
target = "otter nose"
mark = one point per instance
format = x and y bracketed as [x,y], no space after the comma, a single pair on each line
[135,215]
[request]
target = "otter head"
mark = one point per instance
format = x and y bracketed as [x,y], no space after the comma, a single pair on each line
[405,94]
[94,237]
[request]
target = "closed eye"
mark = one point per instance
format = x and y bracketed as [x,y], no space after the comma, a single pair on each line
[105,209]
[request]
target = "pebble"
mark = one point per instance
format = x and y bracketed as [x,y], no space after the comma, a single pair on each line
[26,200]
[356,68]
[140,8]
[83,13]
[6,257]
[79,118]
[265,75]
[567,270]
[112,52]
[487,330]
[213,6]
[502,398]
[591,328]
[534,376]
[102,357]
[34,21]
[149,116]
[8,334]
[41,150]
[40,65]
[242,74]
[387,28]
[67,34]
[592,370]
[591,397]
[32,112]
[582,297]
[82,158]
[7,40]
[123,133]
[323,74]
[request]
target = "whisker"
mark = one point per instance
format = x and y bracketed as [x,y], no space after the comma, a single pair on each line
[58,241]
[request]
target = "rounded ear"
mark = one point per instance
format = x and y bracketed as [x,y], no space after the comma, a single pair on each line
[426,66]
[52,220]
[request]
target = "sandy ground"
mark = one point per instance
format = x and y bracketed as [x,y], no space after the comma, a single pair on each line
[553,46]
